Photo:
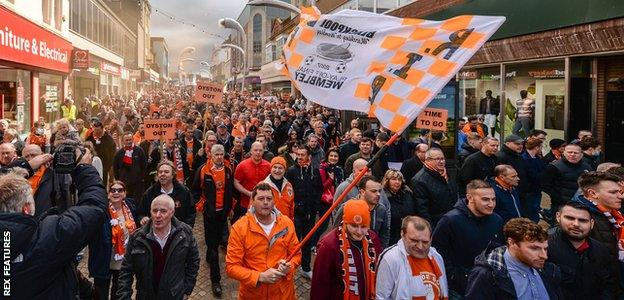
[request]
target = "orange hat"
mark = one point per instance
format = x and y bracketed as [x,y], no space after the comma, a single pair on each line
[356,212]
[278,160]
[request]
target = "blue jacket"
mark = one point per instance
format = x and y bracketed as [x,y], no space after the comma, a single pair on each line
[460,236]
[508,204]
[534,167]
[43,252]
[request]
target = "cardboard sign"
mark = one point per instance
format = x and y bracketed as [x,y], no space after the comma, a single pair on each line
[432,118]
[156,129]
[209,92]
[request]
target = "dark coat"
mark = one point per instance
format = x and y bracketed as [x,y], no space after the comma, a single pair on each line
[490,279]
[400,150]
[534,167]
[507,156]
[307,186]
[433,195]
[587,275]
[347,149]
[131,175]
[591,161]
[46,249]
[53,191]
[460,236]
[410,167]
[494,106]
[181,266]
[603,229]
[209,190]
[466,150]
[189,171]
[559,180]
[105,149]
[476,166]
[401,205]
[508,204]
[184,204]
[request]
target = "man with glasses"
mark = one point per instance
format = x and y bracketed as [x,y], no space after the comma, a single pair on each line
[432,188]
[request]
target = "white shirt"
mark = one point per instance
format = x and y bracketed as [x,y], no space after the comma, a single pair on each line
[162,190]
[267,228]
[162,241]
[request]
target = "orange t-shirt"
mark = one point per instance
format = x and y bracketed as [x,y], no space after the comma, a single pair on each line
[219,179]
[422,267]
[189,152]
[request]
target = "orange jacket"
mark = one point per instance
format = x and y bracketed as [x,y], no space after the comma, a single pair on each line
[239,130]
[480,131]
[284,199]
[250,252]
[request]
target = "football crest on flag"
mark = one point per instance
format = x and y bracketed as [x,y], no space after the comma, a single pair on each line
[386,66]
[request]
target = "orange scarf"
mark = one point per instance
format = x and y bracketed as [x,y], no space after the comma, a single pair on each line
[433,168]
[35,180]
[503,184]
[119,243]
[369,255]
[556,153]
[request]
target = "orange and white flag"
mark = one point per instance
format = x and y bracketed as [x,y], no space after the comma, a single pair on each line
[386,66]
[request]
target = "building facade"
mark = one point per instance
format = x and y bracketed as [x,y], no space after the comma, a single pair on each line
[161,57]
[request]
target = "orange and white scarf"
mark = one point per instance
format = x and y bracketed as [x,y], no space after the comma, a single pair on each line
[369,257]
[432,167]
[119,240]
[617,220]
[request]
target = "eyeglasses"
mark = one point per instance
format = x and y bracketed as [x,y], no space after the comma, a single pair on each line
[117,190]
[437,159]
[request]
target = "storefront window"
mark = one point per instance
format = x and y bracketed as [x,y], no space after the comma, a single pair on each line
[15,96]
[366,5]
[51,94]
[479,93]
[535,95]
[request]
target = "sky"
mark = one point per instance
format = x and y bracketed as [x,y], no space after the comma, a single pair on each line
[204,14]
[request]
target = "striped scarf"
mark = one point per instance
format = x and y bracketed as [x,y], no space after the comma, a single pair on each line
[617,220]
[432,167]
[348,263]
[119,239]
[177,161]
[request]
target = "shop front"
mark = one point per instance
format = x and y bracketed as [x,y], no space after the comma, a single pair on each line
[110,78]
[34,67]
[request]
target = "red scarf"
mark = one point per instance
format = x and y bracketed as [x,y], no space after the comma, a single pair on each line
[433,168]
[617,220]
[556,153]
[369,256]
[119,241]
[127,159]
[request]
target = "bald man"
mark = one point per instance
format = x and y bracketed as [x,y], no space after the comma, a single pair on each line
[247,174]
[174,255]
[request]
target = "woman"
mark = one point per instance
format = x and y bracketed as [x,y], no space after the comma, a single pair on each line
[122,222]
[289,153]
[65,134]
[401,202]
[38,137]
[331,176]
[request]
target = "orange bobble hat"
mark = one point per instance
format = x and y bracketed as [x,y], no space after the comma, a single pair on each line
[279,161]
[356,212]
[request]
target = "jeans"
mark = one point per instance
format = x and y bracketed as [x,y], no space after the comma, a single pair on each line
[213,232]
[525,123]
[304,221]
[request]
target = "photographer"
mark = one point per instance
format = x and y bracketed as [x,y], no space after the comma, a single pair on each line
[42,252]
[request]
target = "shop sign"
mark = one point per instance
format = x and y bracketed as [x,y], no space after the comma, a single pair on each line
[24,42]
[20,95]
[110,69]
[467,75]
[51,98]
[432,119]
[94,70]
[547,73]
[80,59]
[154,76]
[135,74]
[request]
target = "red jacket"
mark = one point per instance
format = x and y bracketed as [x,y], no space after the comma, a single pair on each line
[327,280]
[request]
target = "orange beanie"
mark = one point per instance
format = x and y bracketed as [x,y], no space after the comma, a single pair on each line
[278,160]
[356,212]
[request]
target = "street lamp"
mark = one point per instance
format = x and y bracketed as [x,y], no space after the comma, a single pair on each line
[244,65]
[186,50]
[233,24]
[275,3]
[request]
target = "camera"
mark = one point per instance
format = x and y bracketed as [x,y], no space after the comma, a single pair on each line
[65,159]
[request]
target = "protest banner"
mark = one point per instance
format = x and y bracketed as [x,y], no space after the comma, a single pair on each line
[159,129]
[210,92]
[386,66]
[433,119]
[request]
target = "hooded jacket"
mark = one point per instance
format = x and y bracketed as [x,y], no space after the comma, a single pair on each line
[42,251]
[507,156]
[476,166]
[208,188]
[284,197]
[380,222]
[490,279]
[460,236]
[251,251]
[508,204]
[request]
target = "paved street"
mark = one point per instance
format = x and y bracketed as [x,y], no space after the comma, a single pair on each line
[230,287]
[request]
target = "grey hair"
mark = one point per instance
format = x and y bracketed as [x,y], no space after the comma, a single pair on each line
[167,199]
[217,148]
[431,150]
[15,192]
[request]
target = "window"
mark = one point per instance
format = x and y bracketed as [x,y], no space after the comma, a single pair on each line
[75,16]
[366,5]
[477,89]
[83,17]
[385,5]
[46,10]
[257,40]
[58,14]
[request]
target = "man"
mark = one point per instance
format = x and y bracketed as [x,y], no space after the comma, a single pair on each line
[473,126]
[370,192]
[203,154]
[162,256]
[237,154]
[602,194]
[510,154]
[465,231]
[283,193]
[266,153]
[414,164]
[366,150]
[43,250]
[49,188]
[489,107]
[213,191]
[167,184]
[129,121]
[586,268]
[308,188]
[104,145]
[479,165]
[224,137]
[258,245]
[68,110]
[412,269]
[505,183]
[434,194]
[591,151]
[8,154]
[350,147]
[581,135]
[247,174]
[317,154]
[518,270]
[129,166]
[557,146]
[525,114]
[559,179]
[189,146]
[344,267]
[472,145]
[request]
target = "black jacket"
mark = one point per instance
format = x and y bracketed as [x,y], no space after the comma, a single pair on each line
[189,171]
[466,150]
[308,187]
[587,275]
[433,195]
[507,156]
[181,266]
[209,190]
[476,166]
[184,204]
[105,149]
[603,231]
[410,167]
[559,180]
[43,252]
[401,205]
[347,149]
[460,236]
[489,279]
[591,161]
[53,191]
[131,175]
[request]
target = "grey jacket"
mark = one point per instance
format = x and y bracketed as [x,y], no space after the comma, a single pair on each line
[380,222]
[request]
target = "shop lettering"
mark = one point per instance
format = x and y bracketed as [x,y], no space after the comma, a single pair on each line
[8,39]
[335,26]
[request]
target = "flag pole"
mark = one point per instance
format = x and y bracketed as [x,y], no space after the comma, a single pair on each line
[338,201]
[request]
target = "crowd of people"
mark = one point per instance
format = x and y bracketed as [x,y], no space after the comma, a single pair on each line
[261,173]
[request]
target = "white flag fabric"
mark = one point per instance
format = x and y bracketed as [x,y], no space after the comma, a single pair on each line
[387,66]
